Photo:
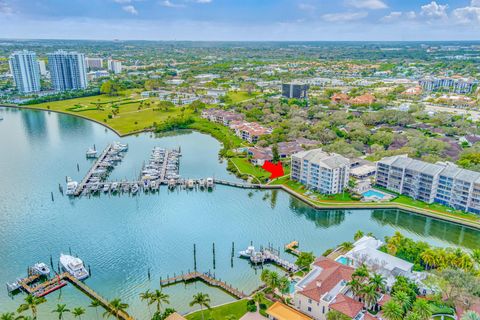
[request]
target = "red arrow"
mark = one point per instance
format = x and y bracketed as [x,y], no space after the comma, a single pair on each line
[276,170]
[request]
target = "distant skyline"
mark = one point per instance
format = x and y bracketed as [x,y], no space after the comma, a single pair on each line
[232,20]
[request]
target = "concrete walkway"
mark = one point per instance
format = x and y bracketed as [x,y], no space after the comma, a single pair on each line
[253,316]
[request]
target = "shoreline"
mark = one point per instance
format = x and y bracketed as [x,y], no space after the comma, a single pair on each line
[325,206]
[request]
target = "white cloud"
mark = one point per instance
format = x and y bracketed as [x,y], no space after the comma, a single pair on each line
[433,10]
[122,1]
[130,9]
[398,15]
[475,3]
[170,4]
[5,8]
[467,15]
[306,7]
[367,4]
[344,16]
[203,1]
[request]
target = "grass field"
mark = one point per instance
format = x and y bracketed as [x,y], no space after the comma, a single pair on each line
[134,114]
[236,309]
[240,96]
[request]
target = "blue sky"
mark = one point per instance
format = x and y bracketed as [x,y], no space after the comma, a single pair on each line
[241,19]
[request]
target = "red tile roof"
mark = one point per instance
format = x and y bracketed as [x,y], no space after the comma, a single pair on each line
[332,273]
[346,305]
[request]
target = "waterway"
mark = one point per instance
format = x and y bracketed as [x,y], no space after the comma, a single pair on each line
[122,237]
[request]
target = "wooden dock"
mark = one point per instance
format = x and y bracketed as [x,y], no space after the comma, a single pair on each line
[206,278]
[292,248]
[101,158]
[245,185]
[60,281]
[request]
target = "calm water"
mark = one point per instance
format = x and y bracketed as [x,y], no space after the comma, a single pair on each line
[122,237]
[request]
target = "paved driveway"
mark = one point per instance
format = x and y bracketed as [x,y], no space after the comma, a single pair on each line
[253,316]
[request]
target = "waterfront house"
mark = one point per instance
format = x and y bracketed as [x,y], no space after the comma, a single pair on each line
[325,288]
[249,131]
[328,173]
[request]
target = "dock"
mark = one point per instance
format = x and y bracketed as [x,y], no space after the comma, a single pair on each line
[268,255]
[292,248]
[207,278]
[81,186]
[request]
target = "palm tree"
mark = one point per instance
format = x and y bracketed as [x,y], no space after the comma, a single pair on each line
[403,299]
[347,246]
[158,297]
[61,309]
[412,316]
[31,303]
[429,258]
[378,281]
[201,299]
[145,296]
[422,309]
[470,315]
[392,310]
[356,287]
[476,255]
[116,306]
[370,296]
[258,298]
[361,272]
[7,316]
[95,304]
[358,235]
[78,312]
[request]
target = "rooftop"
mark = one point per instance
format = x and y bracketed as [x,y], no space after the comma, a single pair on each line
[280,311]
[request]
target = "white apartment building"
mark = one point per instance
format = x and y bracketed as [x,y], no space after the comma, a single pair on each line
[114,65]
[43,67]
[94,63]
[25,70]
[444,183]
[454,84]
[68,70]
[327,173]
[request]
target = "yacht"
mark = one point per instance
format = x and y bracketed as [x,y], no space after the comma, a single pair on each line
[106,187]
[135,188]
[91,153]
[120,146]
[210,183]
[250,252]
[40,268]
[172,184]
[74,266]
[190,184]
[71,187]
[114,187]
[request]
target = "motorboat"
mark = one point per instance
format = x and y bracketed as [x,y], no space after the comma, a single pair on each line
[74,266]
[40,268]
[248,253]
[154,185]
[172,184]
[106,187]
[91,153]
[71,187]
[114,187]
[201,183]
[190,184]
[210,183]
[120,146]
[135,188]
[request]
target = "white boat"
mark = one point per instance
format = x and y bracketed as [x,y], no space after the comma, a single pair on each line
[74,266]
[250,252]
[172,184]
[154,185]
[190,184]
[120,146]
[106,187]
[210,183]
[114,187]
[135,188]
[201,183]
[91,153]
[71,187]
[40,268]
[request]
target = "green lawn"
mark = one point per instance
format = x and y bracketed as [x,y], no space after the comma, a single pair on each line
[237,309]
[246,167]
[240,96]
[134,115]
[434,206]
[300,188]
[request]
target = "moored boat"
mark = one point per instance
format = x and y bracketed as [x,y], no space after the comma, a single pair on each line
[74,266]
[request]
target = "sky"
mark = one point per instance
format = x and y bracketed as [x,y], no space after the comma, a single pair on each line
[233,20]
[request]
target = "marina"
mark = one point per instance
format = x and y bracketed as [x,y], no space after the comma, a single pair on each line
[268,255]
[158,230]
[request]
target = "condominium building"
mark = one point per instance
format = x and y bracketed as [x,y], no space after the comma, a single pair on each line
[114,65]
[295,90]
[67,70]
[43,67]
[325,172]
[454,84]
[25,70]
[94,63]
[444,183]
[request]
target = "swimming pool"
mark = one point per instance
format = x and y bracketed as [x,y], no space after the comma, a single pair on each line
[291,288]
[343,260]
[373,193]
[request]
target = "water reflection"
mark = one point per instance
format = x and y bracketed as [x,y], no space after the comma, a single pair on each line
[322,218]
[35,124]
